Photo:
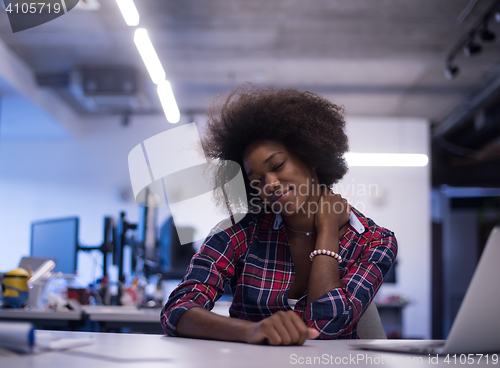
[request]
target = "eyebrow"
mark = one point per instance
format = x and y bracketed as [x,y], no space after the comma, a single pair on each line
[265,162]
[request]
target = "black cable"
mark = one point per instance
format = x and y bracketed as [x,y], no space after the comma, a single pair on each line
[455,149]
[465,13]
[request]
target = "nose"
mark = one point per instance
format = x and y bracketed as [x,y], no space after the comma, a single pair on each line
[271,185]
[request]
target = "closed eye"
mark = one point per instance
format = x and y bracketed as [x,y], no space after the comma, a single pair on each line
[279,166]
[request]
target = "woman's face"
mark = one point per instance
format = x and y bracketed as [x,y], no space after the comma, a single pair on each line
[282,180]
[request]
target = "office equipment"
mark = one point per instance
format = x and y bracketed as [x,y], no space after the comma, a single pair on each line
[34,263]
[476,328]
[56,239]
[17,336]
[147,233]
[108,245]
[174,256]
[109,242]
[41,272]
[121,241]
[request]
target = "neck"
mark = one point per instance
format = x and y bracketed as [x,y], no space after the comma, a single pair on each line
[300,222]
[303,220]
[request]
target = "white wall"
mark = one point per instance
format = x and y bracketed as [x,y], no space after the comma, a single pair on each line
[66,176]
[402,205]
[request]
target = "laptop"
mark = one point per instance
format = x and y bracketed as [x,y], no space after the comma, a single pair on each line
[476,328]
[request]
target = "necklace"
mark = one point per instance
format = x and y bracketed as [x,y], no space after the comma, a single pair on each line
[301,232]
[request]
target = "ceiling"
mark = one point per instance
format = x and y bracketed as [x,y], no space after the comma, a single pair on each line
[377,58]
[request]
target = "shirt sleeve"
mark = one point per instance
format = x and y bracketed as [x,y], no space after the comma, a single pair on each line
[205,276]
[336,310]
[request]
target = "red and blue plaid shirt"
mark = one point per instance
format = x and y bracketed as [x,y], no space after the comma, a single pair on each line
[253,256]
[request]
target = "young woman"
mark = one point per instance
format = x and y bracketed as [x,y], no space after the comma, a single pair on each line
[303,263]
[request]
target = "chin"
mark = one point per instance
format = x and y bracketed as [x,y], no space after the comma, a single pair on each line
[286,209]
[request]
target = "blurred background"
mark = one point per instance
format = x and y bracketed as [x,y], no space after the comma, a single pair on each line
[78,93]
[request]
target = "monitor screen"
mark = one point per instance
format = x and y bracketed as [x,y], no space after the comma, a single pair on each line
[58,240]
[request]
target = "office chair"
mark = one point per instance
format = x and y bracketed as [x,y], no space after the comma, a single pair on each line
[370,325]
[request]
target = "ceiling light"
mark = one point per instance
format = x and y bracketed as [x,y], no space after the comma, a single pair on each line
[451,71]
[386,159]
[149,55]
[168,103]
[472,49]
[129,12]
[497,17]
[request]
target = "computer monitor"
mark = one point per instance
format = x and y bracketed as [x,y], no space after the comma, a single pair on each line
[56,239]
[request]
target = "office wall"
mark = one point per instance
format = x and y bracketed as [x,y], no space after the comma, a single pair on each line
[87,176]
[60,176]
[397,198]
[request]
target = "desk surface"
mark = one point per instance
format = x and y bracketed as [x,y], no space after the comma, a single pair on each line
[138,351]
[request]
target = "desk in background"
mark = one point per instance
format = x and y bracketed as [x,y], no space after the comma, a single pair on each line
[45,319]
[99,318]
[124,319]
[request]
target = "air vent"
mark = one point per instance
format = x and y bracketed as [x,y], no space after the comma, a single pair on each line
[106,89]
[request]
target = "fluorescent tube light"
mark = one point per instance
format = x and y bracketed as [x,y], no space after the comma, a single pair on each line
[149,55]
[386,159]
[167,100]
[129,12]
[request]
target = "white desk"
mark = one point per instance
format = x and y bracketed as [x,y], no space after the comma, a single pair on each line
[106,313]
[40,314]
[114,318]
[45,319]
[109,318]
[128,319]
[145,351]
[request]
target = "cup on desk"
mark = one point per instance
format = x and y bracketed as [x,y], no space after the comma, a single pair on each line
[15,289]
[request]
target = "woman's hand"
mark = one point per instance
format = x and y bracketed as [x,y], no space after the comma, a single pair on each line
[282,328]
[333,210]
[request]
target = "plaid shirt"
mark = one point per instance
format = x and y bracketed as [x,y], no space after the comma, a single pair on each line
[253,256]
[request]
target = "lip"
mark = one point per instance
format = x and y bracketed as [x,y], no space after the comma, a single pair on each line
[277,199]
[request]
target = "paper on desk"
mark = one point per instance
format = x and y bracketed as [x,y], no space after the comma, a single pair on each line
[20,337]
[46,341]
[17,336]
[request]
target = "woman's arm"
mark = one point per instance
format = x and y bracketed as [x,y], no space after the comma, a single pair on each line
[206,274]
[337,309]
[333,304]
[203,324]
[333,213]
[282,328]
